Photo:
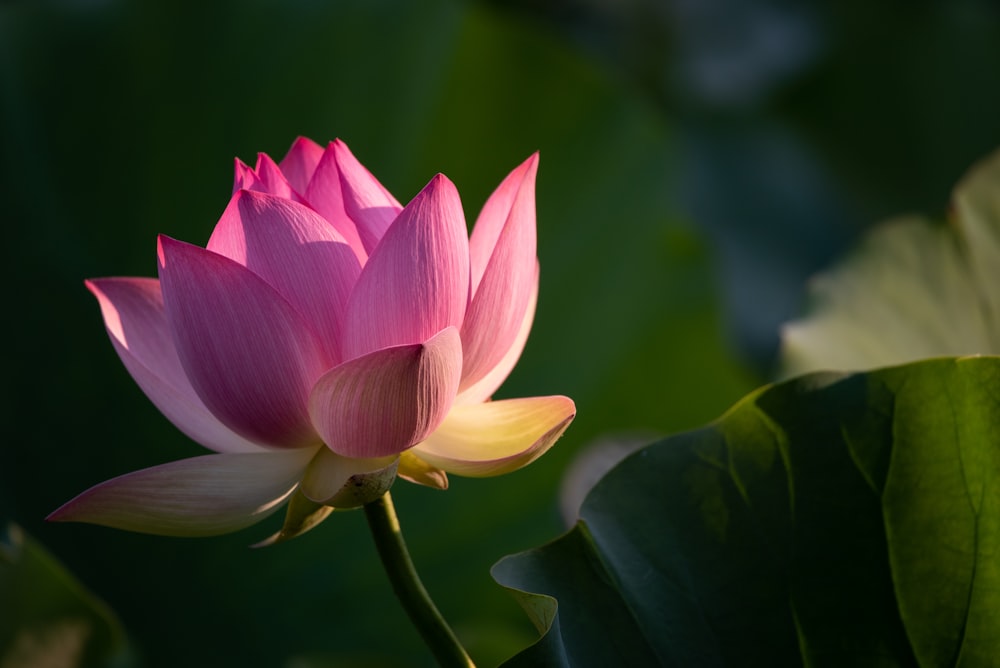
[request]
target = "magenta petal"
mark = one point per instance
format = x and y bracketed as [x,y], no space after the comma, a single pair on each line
[325,196]
[502,250]
[301,256]
[137,324]
[201,496]
[384,402]
[416,282]
[250,356]
[366,201]
[300,162]
[483,389]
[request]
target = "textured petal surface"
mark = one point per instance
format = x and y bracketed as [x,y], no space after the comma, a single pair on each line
[300,162]
[297,252]
[414,469]
[504,276]
[366,201]
[324,194]
[346,482]
[384,402]
[416,282]
[484,388]
[498,436]
[202,496]
[137,324]
[248,353]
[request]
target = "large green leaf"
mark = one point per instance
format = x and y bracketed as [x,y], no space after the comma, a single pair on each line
[829,520]
[914,289]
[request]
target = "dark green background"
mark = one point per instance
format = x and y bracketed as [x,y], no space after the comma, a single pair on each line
[696,165]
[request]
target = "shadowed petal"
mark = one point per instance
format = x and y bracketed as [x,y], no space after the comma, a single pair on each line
[137,325]
[301,516]
[297,252]
[502,250]
[325,196]
[497,437]
[300,162]
[346,482]
[266,177]
[416,470]
[366,201]
[201,496]
[484,388]
[382,403]
[248,353]
[416,282]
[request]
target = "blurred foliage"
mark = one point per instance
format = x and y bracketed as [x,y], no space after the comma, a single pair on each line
[825,521]
[48,618]
[118,120]
[915,289]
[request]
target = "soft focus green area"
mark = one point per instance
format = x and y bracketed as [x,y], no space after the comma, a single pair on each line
[826,521]
[915,289]
[695,167]
[48,619]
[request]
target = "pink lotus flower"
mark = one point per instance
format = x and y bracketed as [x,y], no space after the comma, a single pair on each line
[326,341]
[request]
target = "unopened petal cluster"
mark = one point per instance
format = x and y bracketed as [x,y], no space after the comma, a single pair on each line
[326,340]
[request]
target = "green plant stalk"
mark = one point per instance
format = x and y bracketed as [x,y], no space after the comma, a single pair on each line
[433,628]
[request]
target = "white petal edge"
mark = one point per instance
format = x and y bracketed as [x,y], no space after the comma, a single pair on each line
[201,496]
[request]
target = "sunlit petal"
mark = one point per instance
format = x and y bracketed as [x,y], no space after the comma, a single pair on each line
[137,325]
[383,402]
[297,252]
[366,201]
[416,282]
[498,436]
[248,353]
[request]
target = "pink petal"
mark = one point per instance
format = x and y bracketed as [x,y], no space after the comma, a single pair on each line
[366,201]
[300,162]
[135,321]
[502,250]
[416,282]
[201,496]
[249,355]
[382,403]
[266,177]
[299,255]
[484,388]
[324,195]
[497,437]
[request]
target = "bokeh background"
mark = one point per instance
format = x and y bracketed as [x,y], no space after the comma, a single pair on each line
[699,160]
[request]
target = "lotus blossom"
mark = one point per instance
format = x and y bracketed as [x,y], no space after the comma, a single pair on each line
[326,340]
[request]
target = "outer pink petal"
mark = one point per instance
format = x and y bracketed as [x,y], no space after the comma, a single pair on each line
[484,388]
[503,260]
[384,402]
[202,496]
[300,162]
[416,282]
[366,201]
[136,322]
[497,437]
[324,195]
[248,353]
[297,252]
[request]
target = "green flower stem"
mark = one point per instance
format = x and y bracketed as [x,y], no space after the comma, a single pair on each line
[409,590]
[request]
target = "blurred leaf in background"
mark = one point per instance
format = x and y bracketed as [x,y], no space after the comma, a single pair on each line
[797,124]
[826,521]
[48,618]
[915,289]
[120,121]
